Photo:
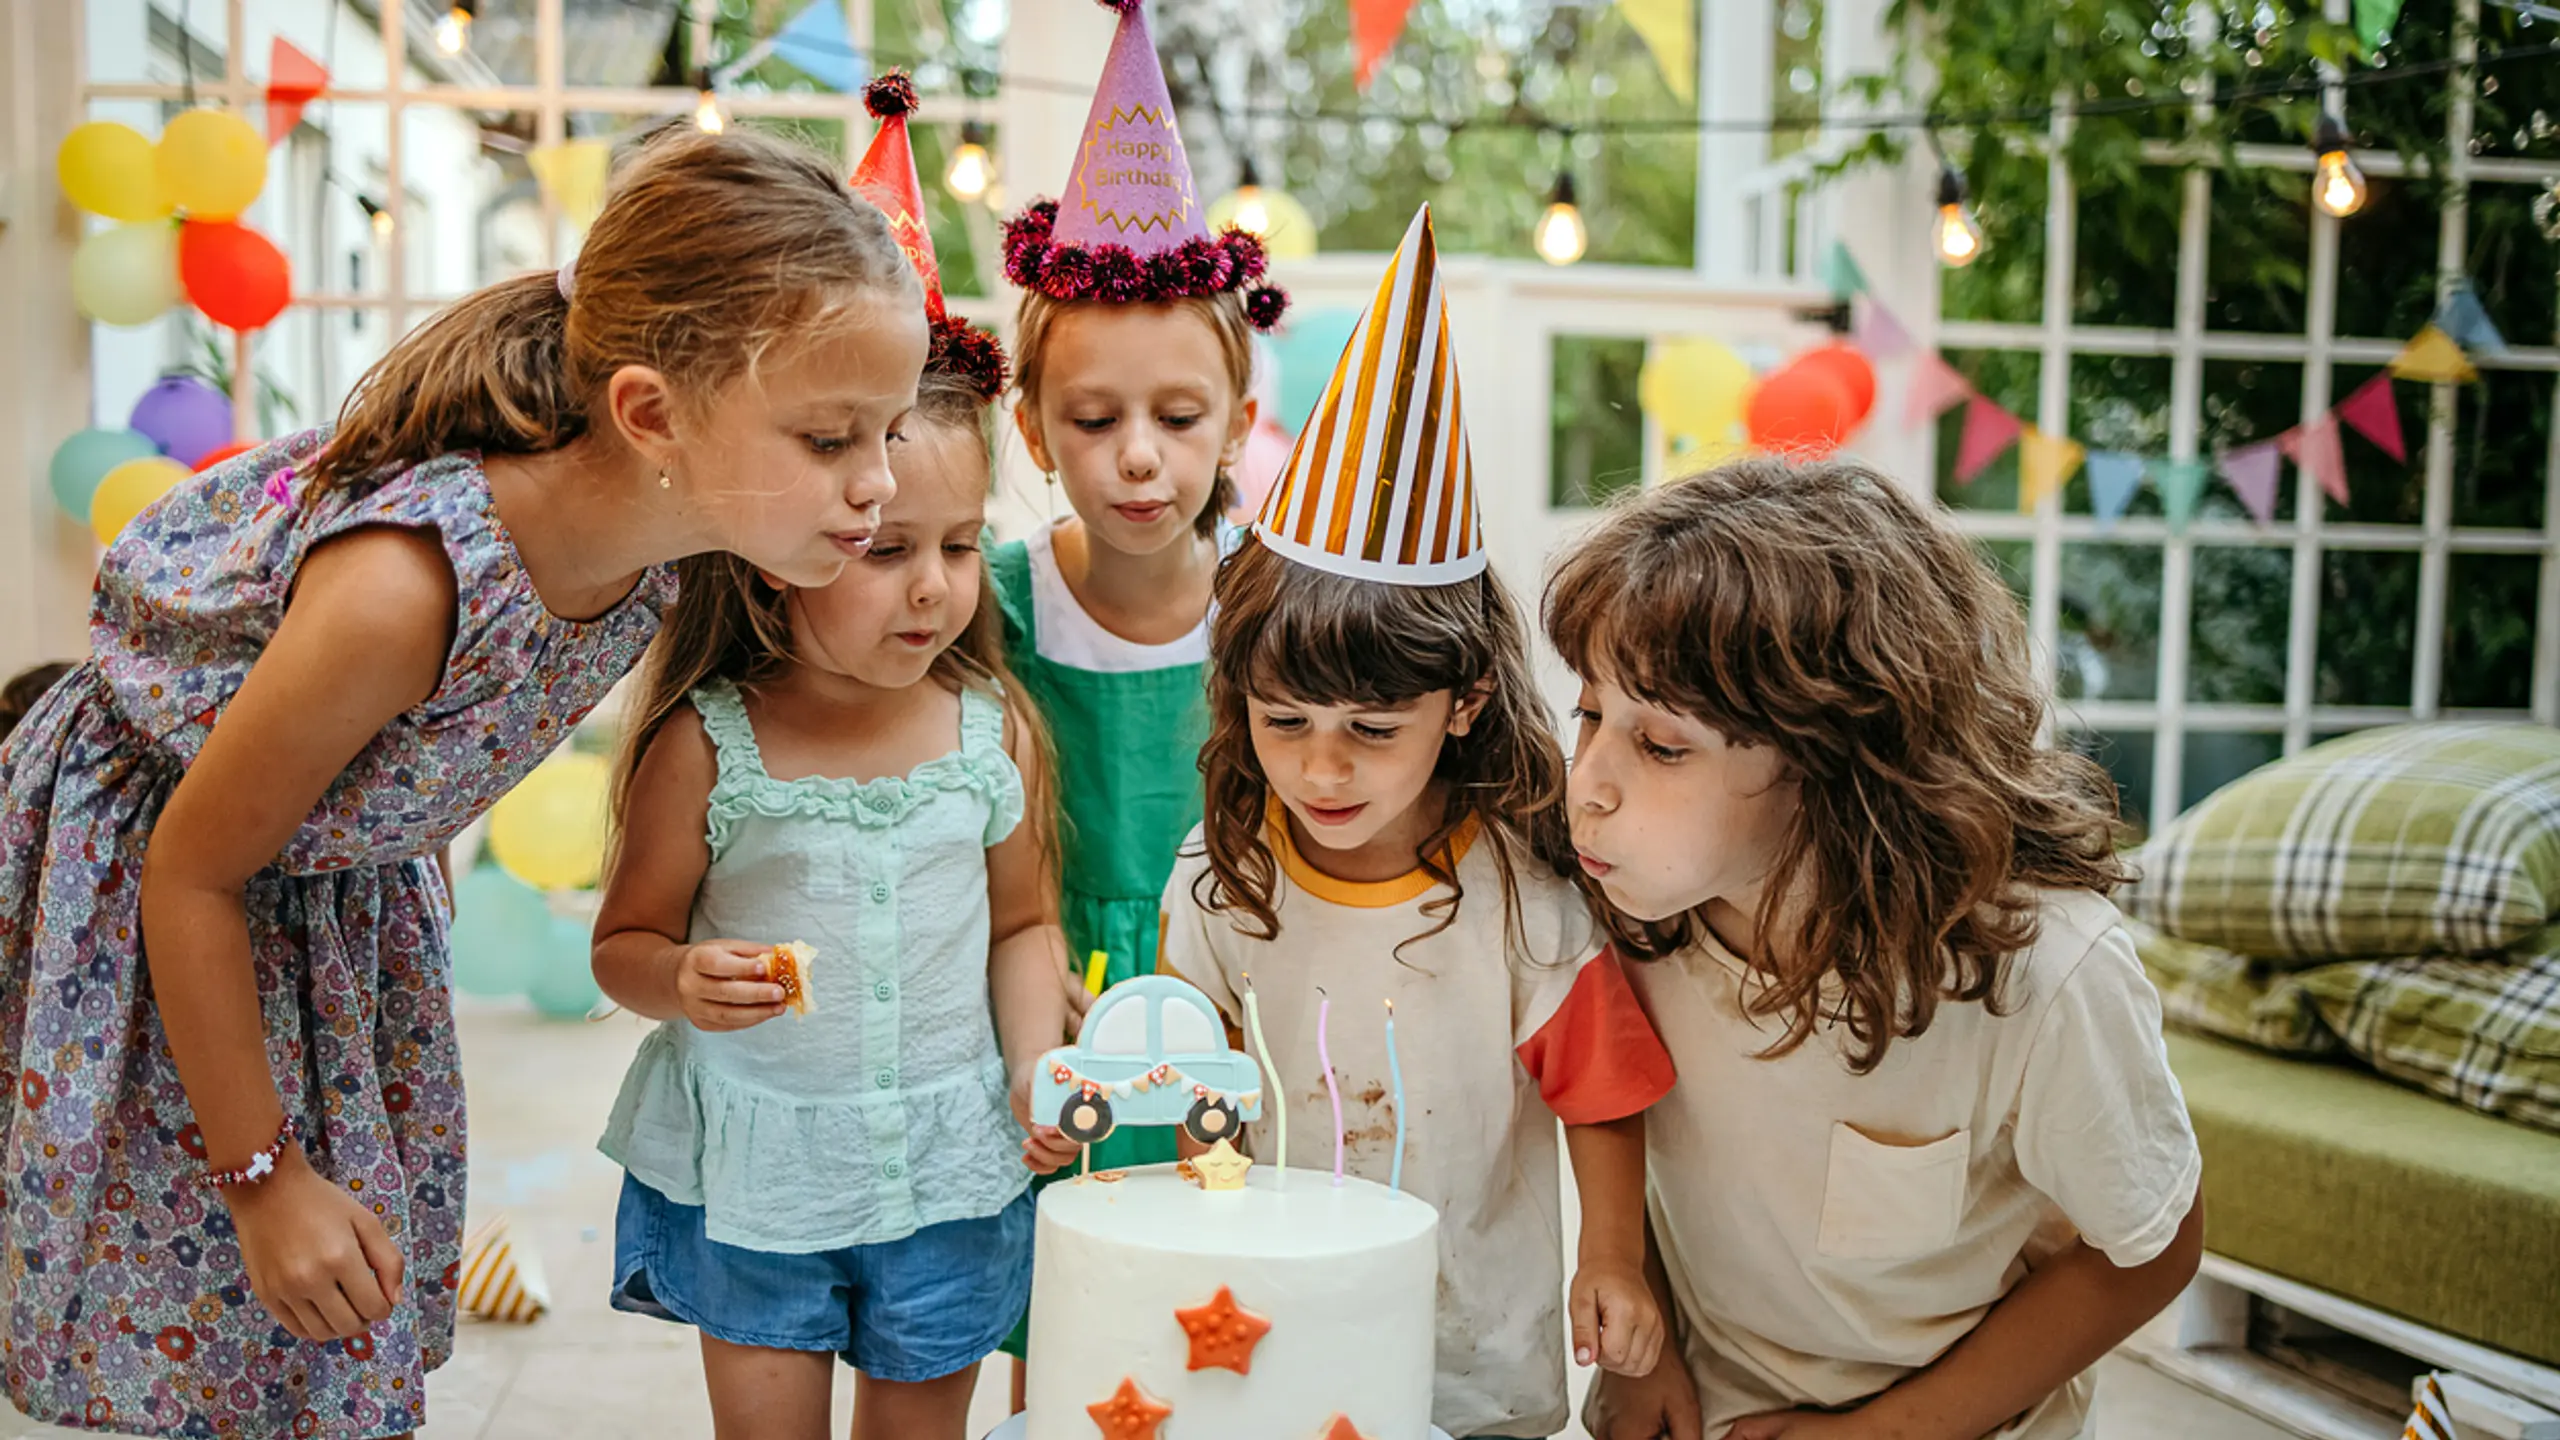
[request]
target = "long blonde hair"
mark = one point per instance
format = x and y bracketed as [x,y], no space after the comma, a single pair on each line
[711,251]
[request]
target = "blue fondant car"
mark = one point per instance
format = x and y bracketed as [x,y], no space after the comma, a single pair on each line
[1153,1051]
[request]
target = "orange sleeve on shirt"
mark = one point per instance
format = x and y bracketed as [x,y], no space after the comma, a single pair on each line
[1597,1058]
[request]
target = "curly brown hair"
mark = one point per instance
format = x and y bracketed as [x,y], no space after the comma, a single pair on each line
[1822,611]
[1283,630]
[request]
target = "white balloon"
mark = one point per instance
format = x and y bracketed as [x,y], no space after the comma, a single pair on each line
[127,275]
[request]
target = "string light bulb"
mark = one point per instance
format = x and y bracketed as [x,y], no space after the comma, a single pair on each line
[1560,237]
[970,171]
[378,214]
[453,32]
[707,114]
[1252,213]
[1955,234]
[2337,186]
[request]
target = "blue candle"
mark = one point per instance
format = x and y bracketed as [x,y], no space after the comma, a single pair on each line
[1395,1080]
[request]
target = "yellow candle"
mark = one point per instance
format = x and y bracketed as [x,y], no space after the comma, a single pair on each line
[1275,1096]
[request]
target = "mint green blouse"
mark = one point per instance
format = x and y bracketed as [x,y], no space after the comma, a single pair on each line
[884,1110]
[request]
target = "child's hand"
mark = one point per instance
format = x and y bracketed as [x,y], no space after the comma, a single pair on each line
[722,986]
[1079,999]
[1796,1425]
[1659,1406]
[1615,1322]
[320,1262]
[1045,1148]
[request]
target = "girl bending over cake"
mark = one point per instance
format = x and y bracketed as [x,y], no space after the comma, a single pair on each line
[1384,823]
[1925,1162]
[826,887]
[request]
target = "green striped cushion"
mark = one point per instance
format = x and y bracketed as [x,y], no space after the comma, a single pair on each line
[2215,992]
[2479,1032]
[2441,837]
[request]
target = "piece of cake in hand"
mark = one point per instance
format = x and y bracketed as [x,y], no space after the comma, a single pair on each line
[787,965]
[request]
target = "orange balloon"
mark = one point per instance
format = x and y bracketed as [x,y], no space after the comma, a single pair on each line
[235,275]
[1800,413]
[1844,361]
[216,457]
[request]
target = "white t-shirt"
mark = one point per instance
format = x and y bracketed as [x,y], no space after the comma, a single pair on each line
[1491,1053]
[1828,1233]
[1069,635]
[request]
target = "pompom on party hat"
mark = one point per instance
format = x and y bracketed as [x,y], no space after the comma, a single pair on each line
[1381,485]
[887,178]
[1130,228]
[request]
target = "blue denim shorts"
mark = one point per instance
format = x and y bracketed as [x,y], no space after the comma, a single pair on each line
[904,1311]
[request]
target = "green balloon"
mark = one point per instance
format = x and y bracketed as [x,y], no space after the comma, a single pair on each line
[501,933]
[564,987]
[84,460]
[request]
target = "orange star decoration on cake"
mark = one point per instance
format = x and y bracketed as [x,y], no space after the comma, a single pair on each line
[1222,1333]
[1130,1413]
[1221,1168]
[1342,1429]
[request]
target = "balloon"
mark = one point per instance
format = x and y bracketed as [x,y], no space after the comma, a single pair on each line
[235,275]
[211,163]
[186,417]
[549,831]
[107,169]
[82,461]
[564,982]
[501,930]
[1694,388]
[128,275]
[127,491]
[1856,374]
[1800,413]
[1288,231]
[1305,352]
[216,457]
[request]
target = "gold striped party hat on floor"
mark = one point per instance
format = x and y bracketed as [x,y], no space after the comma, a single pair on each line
[501,1279]
[1381,486]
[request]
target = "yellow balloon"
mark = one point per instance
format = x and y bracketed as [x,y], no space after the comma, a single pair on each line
[128,275]
[107,169]
[549,831]
[1695,390]
[129,490]
[212,164]
[1288,232]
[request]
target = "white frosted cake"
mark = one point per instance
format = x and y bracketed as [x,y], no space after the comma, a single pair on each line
[1289,1309]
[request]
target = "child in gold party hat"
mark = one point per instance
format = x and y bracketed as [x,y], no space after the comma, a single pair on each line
[1385,821]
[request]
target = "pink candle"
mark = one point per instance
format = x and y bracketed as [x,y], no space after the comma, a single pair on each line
[1324,1057]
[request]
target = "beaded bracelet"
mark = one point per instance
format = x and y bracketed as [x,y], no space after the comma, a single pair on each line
[260,1166]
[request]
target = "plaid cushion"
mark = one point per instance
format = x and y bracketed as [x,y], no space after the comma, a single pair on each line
[2479,1032]
[2215,992]
[2417,839]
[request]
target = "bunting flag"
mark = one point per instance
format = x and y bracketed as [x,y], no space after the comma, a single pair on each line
[2114,477]
[2315,449]
[2046,463]
[1876,331]
[294,80]
[1840,273]
[2374,19]
[2252,471]
[2181,485]
[2462,317]
[2431,356]
[1935,388]
[2431,1418]
[2374,409]
[1375,25]
[1989,431]
[573,173]
[1669,29]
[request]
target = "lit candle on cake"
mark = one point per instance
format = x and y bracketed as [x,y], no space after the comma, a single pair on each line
[1324,1057]
[1277,1102]
[1395,1082]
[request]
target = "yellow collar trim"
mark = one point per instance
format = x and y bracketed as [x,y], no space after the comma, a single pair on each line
[1360,894]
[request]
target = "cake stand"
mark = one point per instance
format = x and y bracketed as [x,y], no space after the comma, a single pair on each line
[1020,1425]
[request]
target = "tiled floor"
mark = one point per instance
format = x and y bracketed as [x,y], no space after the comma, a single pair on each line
[539,1093]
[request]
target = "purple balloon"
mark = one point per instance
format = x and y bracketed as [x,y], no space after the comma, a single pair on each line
[187,418]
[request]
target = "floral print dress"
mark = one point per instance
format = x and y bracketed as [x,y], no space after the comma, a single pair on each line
[124,1302]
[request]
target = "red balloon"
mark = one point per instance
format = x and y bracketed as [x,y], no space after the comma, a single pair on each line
[1856,374]
[235,275]
[1800,413]
[216,457]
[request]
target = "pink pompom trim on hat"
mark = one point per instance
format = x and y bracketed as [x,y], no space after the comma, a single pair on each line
[1233,261]
[890,96]
[1121,7]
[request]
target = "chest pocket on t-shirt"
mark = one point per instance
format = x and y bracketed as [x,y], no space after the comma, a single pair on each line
[1886,1201]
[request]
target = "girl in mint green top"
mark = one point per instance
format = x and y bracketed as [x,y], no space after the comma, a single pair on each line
[841,767]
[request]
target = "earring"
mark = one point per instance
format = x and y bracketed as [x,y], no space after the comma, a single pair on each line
[665,481]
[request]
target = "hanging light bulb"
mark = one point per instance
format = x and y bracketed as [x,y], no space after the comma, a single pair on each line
[453,32]
[707,114]
[380,216]
[1252,213]
[1560,237]
[970,171]
[1955,235]
[2337,186]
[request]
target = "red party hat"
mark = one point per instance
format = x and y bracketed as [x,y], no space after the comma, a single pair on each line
[887,178]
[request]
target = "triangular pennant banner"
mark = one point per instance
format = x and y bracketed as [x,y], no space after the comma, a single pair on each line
[1989,430]
[1877,332]
[573,174]
[2046,463]
[1669,29]
[2374,409]
[2315,448]
[294,80]
[1375,25]
[2432,356]
[1840,272]
[2114,477]
[1935,386]
[2252,471]
[2463,317]
[2374,19]
[2181,485]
